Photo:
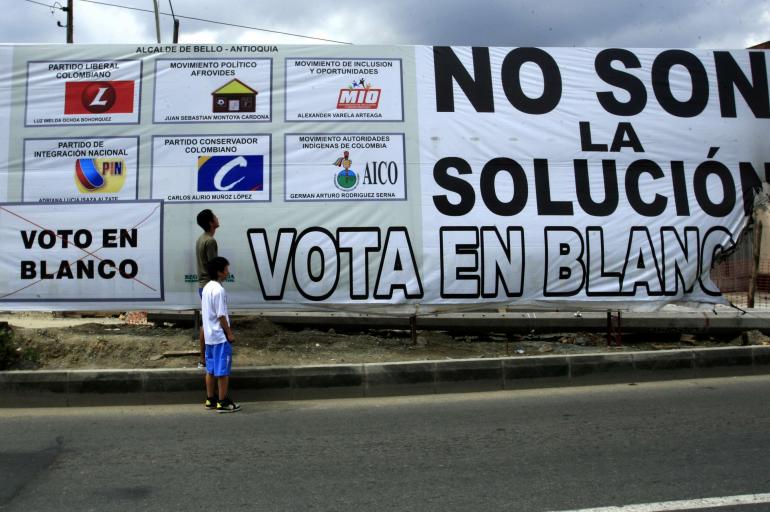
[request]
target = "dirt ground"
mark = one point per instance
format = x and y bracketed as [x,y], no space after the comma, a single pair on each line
[50,341]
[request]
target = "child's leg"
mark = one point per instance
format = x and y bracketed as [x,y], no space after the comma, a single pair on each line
[210,380]
[222,384]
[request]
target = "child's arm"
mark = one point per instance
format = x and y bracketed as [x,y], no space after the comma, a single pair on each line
[226,328]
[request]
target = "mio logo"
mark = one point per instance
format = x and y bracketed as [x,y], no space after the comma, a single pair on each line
[359,98]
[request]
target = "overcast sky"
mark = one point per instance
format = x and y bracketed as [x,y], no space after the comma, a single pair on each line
[602,23]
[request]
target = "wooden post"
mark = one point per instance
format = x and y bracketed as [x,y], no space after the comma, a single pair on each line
[614,330]
[755,263]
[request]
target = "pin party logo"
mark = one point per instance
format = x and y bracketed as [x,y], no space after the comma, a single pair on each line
[100,175]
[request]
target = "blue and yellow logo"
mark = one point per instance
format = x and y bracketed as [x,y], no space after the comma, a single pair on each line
[237,173]
[100,175]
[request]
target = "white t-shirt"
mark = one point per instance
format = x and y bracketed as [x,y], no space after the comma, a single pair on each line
[213,306]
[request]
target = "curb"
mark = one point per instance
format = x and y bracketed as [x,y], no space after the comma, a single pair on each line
[730,321]
[62,388]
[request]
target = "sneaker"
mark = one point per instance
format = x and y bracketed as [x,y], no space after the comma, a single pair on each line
[227,405]
[211,403]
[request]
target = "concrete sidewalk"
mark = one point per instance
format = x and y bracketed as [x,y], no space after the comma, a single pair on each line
[152,386]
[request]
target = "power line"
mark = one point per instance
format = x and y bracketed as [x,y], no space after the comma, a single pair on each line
[211,21]
[68,10]
[45,5]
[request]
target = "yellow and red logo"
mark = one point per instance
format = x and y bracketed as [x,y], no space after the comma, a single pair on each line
[359,95]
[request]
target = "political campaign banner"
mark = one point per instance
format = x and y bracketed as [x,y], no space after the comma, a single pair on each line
[553,175]
[80,169]
[345,167]
[105,252]
[391,179]
[344,89]
[212,90]
[211,168]
[78,92]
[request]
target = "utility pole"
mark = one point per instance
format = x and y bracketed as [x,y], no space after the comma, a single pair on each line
[176,24]
[70,4]
[157,20]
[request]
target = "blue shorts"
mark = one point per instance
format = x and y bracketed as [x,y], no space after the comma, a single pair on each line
[219,359]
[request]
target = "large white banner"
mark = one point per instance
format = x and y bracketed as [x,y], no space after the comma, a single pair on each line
[376,178]
[102,253]
[552,175]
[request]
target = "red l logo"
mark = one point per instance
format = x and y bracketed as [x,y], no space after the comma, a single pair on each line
[109,97]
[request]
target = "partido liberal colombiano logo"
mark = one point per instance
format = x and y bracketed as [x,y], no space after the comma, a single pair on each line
[237,173]
[99,97]
[359,95]
[347,178]
[100,175]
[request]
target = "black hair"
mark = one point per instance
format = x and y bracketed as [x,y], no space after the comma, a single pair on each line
[205,217]
[215,266]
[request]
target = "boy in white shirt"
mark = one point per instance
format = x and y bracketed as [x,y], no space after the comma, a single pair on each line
[218,337]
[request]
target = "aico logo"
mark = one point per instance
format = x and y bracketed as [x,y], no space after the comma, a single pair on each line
[359,96]
[100,175]
[347,178]
[241,173]
[114,97]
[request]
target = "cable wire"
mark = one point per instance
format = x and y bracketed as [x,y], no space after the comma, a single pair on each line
[212,21]
[172,9]
[45,5]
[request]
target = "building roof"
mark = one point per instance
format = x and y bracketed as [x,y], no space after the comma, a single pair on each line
[235,86]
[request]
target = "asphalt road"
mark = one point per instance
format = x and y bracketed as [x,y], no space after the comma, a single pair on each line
[539,450]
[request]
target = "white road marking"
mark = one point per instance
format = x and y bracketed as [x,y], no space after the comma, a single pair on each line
[696,504]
